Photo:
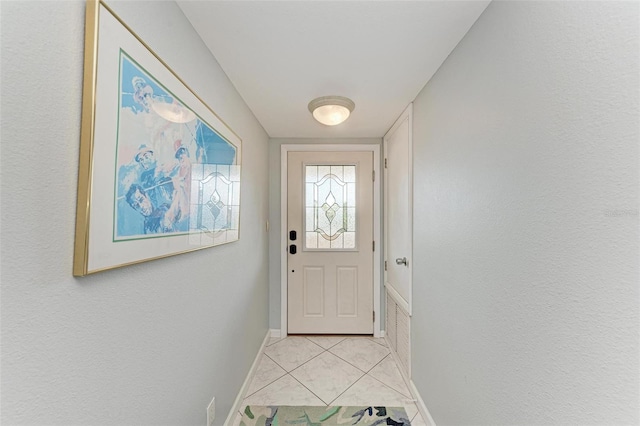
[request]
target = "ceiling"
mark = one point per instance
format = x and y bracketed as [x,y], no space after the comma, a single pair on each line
[282,54]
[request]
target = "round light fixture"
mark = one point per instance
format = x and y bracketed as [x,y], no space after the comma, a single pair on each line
[331,110]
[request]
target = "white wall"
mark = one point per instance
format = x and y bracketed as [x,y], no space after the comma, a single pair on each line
[149,344]
[274,215]
[526,219]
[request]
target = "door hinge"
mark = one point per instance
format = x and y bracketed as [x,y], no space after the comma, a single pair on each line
[374,316]
[374,245]
[385,163]
[385,265]
[374,176]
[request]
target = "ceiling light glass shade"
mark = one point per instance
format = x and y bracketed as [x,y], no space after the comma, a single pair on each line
[173,112]
[331,110]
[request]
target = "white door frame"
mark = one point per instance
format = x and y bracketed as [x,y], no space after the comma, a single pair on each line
[407,115]
[284,150]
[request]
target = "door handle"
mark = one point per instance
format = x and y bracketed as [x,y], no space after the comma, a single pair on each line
[293,249]
[402,261]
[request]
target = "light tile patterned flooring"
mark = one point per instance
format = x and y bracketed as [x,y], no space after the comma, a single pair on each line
[329,370]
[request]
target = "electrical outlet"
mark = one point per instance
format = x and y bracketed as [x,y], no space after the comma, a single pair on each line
[211,412]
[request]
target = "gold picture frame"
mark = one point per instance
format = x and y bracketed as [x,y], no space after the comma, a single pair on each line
[159,171]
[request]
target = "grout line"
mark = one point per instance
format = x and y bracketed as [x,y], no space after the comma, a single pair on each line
[349,387]
[309,340]
[389,387]
[302,384]
[315,356]
[378,363]
[270,383]
[276,340]
[239,413]
[349,362]
[335,344]
[307,361]
[285,370]
[383,344]
[331,353]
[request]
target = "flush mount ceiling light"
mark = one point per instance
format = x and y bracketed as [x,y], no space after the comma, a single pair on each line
[331,110]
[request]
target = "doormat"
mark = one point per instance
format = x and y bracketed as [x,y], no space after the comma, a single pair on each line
[260,415]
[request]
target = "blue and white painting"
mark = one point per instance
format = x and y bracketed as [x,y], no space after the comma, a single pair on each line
[174,173]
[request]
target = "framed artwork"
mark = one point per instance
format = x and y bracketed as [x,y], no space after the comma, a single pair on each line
[159,171]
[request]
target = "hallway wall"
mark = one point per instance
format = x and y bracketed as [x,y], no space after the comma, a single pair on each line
[526,219]
[148,344]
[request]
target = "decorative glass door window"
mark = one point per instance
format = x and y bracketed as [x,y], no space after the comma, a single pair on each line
[330,207]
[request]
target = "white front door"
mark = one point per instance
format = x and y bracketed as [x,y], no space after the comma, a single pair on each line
[330,242]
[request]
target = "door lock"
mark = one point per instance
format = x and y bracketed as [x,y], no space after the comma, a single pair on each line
[293,249]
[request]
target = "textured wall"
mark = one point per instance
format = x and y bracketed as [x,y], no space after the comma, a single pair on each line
[526,219]
[274,215]
[149,344]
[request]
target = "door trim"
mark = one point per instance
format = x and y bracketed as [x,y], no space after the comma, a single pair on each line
[284,150]
[407,115]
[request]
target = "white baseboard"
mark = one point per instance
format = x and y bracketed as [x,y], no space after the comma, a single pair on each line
[252,371]
[422,407]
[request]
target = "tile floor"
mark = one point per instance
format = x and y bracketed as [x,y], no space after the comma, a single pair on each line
[329,370]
